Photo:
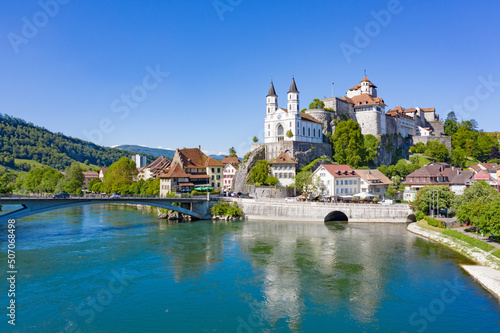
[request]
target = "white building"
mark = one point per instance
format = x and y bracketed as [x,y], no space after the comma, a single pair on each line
[337,180]
[373,182]
[140,161]
[283,168]
[228,176]
[290,124]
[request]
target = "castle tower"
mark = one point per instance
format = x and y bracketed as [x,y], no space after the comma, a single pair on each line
[293,98]
[272,100]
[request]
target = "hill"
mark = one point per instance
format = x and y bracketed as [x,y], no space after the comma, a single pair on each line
[169,153]
[24,145]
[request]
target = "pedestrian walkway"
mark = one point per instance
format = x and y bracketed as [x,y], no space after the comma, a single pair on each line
[473,235]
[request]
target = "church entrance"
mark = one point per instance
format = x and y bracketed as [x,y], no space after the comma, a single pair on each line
[281,133]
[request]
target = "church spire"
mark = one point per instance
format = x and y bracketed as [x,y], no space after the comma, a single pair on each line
[272,92]
[293,86]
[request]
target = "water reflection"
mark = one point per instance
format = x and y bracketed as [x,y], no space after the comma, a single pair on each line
[334,265]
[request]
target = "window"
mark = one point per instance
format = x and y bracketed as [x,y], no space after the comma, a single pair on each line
[213,169]
[308,132]
[337,182]
[303,131]
[218,184]
[213,177]
[355,182]
[337,191]
[341,182]
[218,169]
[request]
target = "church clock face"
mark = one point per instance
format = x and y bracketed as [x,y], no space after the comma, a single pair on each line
[279,116]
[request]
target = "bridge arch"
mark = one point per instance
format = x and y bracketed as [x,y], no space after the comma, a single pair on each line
[336,215]
[411,218]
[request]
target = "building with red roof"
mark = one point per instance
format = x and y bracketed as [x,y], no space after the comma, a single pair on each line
[337,180]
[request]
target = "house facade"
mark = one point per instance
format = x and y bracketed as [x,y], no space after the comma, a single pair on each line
[284,168]
[373,182]
[337,180]
[191,168]
[154,169]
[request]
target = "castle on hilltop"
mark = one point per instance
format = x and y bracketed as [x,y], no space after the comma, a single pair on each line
[304,135]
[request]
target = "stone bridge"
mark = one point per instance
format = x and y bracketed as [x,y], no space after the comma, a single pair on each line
[278,209]
[30,205]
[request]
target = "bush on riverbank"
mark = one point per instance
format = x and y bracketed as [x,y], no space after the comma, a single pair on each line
[472,241]
[226,209]
[435,223]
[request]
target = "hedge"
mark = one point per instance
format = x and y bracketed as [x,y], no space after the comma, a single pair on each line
[435,223]
[472,241]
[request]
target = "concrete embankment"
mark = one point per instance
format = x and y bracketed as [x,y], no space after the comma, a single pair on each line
[279,210]
[487,275]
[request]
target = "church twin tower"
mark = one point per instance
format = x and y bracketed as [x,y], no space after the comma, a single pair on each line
[293,99]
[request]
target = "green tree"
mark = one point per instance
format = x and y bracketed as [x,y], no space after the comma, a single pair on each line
[232,152]
[446,199]
[289,134]
[72,181]
[92,183]
[437,151]
[483,214]
[348,143]
[371,146]
[7,181]
[119,176]
[259,172]
[255,139]
[458,158]
[317,104]
[450,124]
[307,182]
[272,180]
[479,191]
[418,148]
[391,191]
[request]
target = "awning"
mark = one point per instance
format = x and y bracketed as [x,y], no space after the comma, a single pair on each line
[186,184]
[364,195]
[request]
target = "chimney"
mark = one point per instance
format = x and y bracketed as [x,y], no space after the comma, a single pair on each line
[199,147]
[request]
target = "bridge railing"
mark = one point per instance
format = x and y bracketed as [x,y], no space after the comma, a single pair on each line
[38,196]
[313,203]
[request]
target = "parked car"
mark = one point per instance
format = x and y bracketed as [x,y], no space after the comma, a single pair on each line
[115,196]
[62,195]
[290,199]
[386,202]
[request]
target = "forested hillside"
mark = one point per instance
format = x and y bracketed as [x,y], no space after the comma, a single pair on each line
[22,140]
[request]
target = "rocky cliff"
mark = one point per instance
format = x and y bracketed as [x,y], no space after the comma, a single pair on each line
[241,176]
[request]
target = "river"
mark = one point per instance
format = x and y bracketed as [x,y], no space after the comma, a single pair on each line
[116,269]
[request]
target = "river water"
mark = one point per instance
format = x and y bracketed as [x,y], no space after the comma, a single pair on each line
[115,269]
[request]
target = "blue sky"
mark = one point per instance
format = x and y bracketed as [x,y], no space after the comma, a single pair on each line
[72,69]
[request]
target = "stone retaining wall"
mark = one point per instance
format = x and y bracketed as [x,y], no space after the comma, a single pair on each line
[317,211]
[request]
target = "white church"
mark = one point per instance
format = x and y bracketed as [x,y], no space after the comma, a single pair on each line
[290,124]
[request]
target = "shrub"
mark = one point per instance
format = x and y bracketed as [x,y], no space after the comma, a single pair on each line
[472,241]
[435,223]
[226,209]
[419,215]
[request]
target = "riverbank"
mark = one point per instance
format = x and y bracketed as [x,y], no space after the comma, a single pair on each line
[488,275]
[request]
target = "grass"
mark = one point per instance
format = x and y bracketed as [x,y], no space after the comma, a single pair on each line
[472,241]
[470,161]
[38,165]
[458,235]
[422,160]
[424,224]
[32,164]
